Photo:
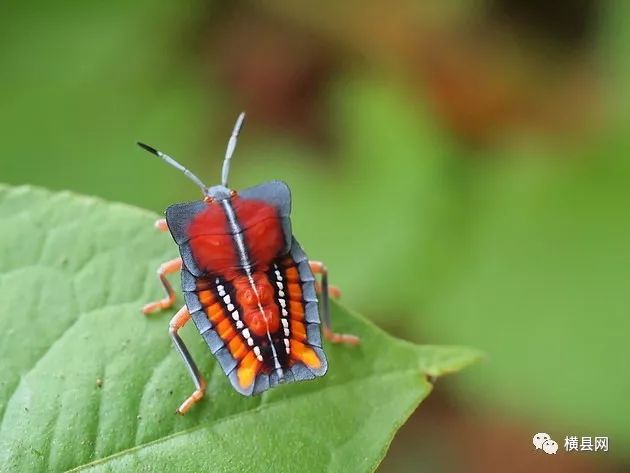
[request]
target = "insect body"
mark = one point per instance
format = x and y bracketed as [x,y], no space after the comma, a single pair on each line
[248,285]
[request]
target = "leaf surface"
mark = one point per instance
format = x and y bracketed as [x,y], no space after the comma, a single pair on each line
[88,383]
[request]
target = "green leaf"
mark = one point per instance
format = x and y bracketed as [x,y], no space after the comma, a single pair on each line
[87,382]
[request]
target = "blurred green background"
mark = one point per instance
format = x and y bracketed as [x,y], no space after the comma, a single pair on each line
[462,167]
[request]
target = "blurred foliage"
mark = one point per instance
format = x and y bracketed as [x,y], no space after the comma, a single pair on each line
[517,246]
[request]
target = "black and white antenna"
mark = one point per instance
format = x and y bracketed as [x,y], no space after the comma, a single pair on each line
[176,165]
[230,148]
[226,162]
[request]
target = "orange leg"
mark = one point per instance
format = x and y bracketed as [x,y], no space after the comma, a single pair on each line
[164,270]
[333,291]
[319,268]
[161,225]
[181,318]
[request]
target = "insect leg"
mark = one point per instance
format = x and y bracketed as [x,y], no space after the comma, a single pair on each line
[333,291]
[319,268]
[164,269]
[178,321]
[161,225]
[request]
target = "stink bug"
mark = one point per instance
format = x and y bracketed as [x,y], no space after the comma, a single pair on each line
[248,285]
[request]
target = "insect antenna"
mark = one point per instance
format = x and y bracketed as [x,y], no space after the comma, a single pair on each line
[176,165]
[230,148]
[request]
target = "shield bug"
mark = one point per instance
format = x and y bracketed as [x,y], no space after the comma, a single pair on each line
[248,286]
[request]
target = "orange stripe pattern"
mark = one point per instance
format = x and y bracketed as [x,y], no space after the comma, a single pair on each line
[287,286]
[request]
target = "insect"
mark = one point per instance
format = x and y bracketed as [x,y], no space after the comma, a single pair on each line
[248,286]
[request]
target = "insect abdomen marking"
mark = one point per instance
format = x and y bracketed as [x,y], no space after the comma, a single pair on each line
[222,320]
[298,330]
[304,353]
[298,349]
[253,297]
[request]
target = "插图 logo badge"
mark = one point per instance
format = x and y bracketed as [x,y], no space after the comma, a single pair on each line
[572,443]
[543,441]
